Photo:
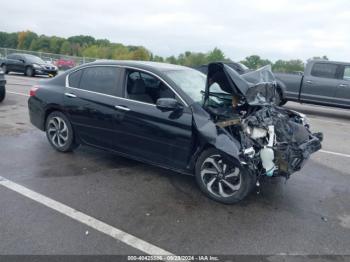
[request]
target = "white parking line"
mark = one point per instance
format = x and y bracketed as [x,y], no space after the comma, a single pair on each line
[15,93]
[86,219]
[334,153]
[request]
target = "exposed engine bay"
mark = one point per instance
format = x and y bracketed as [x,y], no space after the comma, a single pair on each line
[274,141]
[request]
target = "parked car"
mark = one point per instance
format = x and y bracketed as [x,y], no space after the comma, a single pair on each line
[322,83]
[28,64]
[64,64]
[223,128]
[2,86]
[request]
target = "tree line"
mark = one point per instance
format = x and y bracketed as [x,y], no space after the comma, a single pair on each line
[88,46]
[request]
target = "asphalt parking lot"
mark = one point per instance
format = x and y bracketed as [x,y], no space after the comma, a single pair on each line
[307,215]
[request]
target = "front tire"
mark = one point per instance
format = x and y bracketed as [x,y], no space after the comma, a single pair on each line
[29,71]
[59,132]
[222,180]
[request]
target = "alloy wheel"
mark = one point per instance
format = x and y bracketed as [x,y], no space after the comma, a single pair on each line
[58,131]
[29,71]
[221,179]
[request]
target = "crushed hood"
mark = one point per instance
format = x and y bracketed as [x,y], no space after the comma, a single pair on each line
[256,87]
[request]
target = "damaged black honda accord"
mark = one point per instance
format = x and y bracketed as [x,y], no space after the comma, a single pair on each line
[222,128]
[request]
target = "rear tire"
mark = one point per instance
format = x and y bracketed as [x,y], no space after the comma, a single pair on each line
[60,133]
[29,71]
[4,68]
[222,180]
[2,93]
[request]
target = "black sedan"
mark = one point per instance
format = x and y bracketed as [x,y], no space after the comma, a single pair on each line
[224,128]
[30,65]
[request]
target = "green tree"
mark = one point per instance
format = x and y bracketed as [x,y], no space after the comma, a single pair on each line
[43,43]
[65,48]
[55,44]
[8,40]
[215,55]
[171,60]
[255,61]
[288,66]
[157,58]
[141,53]
[81,40]
[25,39]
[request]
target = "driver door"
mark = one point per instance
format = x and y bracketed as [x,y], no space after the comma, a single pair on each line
[162,137]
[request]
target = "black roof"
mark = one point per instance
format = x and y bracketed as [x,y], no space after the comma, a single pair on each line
[141,64]
[23,54]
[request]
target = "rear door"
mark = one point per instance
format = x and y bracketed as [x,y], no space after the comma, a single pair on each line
[343,89]
[90,99]
[321,83]
[162,137]
[14,63]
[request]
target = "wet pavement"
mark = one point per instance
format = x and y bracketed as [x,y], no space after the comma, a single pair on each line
[308,214]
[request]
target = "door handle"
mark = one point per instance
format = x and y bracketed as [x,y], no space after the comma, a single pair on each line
[309,82]
[343,85]
[70,95]
[124,108]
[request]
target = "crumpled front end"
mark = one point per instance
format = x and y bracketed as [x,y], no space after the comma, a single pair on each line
[282,138]
[242,121]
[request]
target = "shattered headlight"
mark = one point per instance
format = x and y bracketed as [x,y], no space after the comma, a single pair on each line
[304,120]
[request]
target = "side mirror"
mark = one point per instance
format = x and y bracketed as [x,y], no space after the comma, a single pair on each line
[22,60]
[168,104]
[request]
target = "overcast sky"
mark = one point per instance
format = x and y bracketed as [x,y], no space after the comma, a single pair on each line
[273,29]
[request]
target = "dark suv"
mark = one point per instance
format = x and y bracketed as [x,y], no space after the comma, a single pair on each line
[28,64]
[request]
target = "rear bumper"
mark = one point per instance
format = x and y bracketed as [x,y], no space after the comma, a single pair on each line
[36,114]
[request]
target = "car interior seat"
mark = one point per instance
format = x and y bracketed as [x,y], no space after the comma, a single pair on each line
[137,91]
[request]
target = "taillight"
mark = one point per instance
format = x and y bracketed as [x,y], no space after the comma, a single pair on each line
[33,90]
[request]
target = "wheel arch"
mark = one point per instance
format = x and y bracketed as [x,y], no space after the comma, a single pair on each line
[55,108]
[281,88]
[49,110]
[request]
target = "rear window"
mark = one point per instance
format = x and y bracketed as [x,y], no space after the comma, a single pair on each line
[74,79]
[324,70]
[14,57]
[100,79]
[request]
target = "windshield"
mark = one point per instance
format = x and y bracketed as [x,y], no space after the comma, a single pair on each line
[35,59]
[192,82]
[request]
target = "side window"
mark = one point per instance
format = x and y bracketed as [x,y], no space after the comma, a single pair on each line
[13,57]
[100,79]
[324,70]
[74,78]
[346,73]
[146,88]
